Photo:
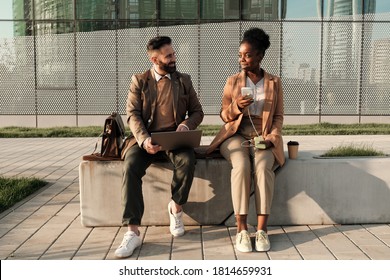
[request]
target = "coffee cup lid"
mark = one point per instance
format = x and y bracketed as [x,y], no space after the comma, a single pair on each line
[293,143]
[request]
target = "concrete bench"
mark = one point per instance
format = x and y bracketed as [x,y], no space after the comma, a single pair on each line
[209,201]
[308,190]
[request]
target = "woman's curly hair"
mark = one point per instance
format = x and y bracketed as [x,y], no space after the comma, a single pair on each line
[257,38]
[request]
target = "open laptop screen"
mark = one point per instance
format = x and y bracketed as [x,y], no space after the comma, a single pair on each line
[172,140]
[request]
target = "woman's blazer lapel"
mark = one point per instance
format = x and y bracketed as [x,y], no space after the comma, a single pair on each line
[268,102]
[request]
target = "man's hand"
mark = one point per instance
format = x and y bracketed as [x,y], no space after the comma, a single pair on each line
[182,127]
[149,147]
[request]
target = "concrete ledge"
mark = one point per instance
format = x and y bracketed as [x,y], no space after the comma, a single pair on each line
[307,191]
[100,193]
[332,191]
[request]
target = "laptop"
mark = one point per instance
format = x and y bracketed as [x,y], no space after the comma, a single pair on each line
[172,140]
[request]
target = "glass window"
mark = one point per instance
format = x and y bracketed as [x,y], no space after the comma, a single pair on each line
[22,28]
[343,10]
[301,10]
[137,9]
[219,9]
[49,9]
[261,9]
[179,9]
[369,5]
[136,24]
[87,26]
[133,16]
[15,9]
[97,9]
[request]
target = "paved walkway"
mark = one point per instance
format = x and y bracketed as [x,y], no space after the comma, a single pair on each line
[47,224]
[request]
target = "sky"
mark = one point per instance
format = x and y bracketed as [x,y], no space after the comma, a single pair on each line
[6,9]
[6,28]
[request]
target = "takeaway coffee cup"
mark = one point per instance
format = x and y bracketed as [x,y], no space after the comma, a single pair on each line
[292,149]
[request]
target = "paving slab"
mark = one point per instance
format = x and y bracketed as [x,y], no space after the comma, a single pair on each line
[47,224]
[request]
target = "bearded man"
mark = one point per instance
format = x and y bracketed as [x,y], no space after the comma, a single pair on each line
[160,99]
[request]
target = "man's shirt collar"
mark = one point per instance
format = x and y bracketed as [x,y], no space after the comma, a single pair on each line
[159,77]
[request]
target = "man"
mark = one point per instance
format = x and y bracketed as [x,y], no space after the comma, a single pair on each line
[158,100]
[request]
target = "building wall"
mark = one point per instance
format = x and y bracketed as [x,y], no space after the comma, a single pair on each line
[75,58]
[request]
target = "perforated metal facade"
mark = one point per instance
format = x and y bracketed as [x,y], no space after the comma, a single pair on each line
[335,64]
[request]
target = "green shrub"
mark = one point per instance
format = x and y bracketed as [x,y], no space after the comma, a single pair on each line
[352,150]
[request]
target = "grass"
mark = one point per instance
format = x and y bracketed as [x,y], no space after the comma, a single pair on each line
[208,130]
[13,190]
[337,129]
[353,150]
[26,132]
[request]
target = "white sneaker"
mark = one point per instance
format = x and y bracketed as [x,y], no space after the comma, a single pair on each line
[130,241]
[176,225]
[243,242]
[262,241]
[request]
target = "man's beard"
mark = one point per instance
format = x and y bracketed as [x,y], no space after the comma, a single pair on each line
[166,67]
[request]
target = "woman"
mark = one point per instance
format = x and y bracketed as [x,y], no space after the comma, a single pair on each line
[251,139]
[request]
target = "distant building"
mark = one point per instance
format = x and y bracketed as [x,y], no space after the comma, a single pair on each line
[380,62]
[304,72]
[343,41]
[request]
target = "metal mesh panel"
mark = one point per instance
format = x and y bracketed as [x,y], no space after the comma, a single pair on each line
[341,72]
[132,58]
[185,43]
[88,72]
[96,72]
[376,69]
[378,16]
[55,59]
[217,60]
[55,70]
[56,102]
[17,91]
[301,67]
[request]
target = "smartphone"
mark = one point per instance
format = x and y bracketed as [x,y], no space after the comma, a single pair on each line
[247,91]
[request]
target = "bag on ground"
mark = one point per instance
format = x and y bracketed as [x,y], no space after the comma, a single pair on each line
[112,139]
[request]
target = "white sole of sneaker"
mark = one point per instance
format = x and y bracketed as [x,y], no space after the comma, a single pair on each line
[123,256]
[177,234]
[263,249]
[243,251]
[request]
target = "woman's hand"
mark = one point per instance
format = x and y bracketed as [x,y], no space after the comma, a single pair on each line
[244,101]
[268,144]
